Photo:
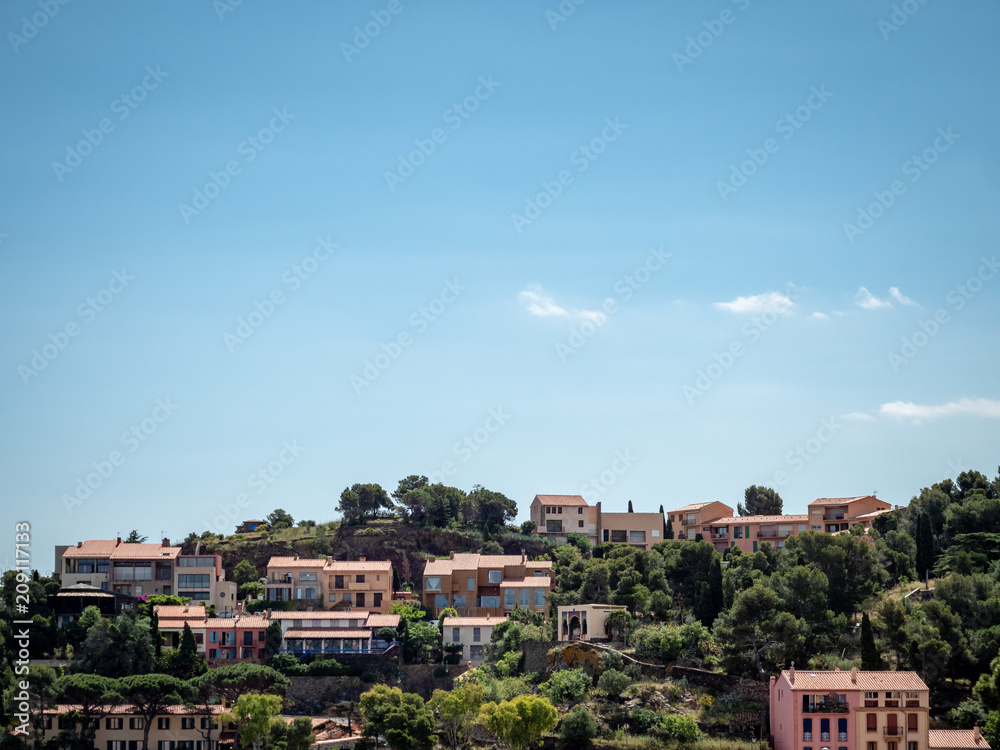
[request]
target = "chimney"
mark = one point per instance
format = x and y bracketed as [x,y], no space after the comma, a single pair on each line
[773,679]
[452,554]
[487,615]
[118,541]
[362,559]
[524,557]
[977,734]
[267,614]
[166,542]
[791,676]
[854,675]
[79,545]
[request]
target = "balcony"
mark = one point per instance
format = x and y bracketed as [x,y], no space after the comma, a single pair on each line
[807,736]
[720,535]
[871,703]
[896,731]
[894,703]
[824,736]
[826,707]
[281,578]
[912,702]
[842,737]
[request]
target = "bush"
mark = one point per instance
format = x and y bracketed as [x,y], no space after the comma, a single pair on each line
[611,660]
[613,682]
[441,672]
[578,729]
[969,713]
[566,686]
[659,641]
[680,728]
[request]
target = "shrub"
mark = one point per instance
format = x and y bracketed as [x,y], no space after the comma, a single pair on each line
[611,660]
[578,729]
[566,686]
[441,672]
[680,728]
[614,682]
[660,641]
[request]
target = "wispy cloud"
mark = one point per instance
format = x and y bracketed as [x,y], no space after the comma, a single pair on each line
[858,416]
[758,303]
[820,316]
[541,305]
[865,299]
[899,296]
[975,407]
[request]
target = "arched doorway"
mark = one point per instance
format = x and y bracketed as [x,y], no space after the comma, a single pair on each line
[574,628]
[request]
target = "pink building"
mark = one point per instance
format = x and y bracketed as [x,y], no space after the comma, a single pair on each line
[855,710]
[749,532]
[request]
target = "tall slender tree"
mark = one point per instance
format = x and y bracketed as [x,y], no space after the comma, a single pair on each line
[869,652]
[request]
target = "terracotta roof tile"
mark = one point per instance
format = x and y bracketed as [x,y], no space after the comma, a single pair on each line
[841,500]
[328,633]
[332,566]
[248,621]
[376,620]
[873,514]
[93,548]
[561,500]
[167,611]
[296,562]
[955,739]
[811,680]
[130,709]
[528,582]
[320,615]
[737,520]
[696,506]
[136,551]
[472,622]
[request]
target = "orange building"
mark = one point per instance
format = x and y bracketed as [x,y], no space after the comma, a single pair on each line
[480,585]
[693,519]
[749,532]
[832,514]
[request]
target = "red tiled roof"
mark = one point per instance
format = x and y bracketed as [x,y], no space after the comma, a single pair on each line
[376,620]
[825,681]
[737,520]
[168,611]
[561,500]
[327,633]
[332,566]
[472,561]
[469,622]
[93,548]
[873,514]
[696,506]
[528,582]
[955,739]
[841,500]
[143,551]
[296,562]
[320,615]
[178,624]
[246,621]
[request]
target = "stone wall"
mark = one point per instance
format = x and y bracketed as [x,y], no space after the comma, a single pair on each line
[724,683]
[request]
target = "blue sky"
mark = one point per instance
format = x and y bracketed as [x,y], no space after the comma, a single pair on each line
[255,254]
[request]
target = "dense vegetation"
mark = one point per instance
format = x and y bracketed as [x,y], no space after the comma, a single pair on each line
[920,591]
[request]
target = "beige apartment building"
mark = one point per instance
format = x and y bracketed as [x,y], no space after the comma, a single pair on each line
[472,633]
[361,585]
[557,516]
[141,569]
[749,532]
[691,520]
[479,585]
[833,514]
[121,727]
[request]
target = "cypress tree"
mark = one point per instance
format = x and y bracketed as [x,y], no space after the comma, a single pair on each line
[711,603]
[869,652]
[157,636]
[925,546]
[669,533]
[630,506]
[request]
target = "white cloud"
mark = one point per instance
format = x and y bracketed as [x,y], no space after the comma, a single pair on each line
[820,316]
[541,305]
[899,296]
[858,416]
[838,313]
[869,301]
[758,303]
[976,407]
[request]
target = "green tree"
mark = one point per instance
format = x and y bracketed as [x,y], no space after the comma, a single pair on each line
[244,572]
[756,633]
[279,519]
[630,507]
[491,510]
[233,680]
[869,652]
[401,719]
[273,637]
[359,502]
[519,723]
[578,729]
[613,682]
[134,537]
[92,693]
[186,662]
[849,563]
[456,712]
[252,715]
[760,501]
[668,532]
[118,647]
[926,555]
[566,686]
[712,601]
[155,635]
[151,694]
[295,736]
[618,624]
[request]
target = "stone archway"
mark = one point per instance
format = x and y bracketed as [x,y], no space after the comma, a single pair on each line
[574,628]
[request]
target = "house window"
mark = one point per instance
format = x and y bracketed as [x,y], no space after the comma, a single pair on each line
[433,583]
[911,722]
[440,601]
[509,598]
[807,730]
[247,637]
[377,599]
[346,597]
[205,722]
[333,597]
[360,578]
[539,598]
[308,577]
[872,746]
[135,722]
[117,723]
[361,598]
[476,635]
[489,601]
[911,745]
[637,537]
[618,536]
[579,511]
[580,524]
[455,635]
[475,652]
[338,582]
[163,722]
[871,722]
[892,745]
[560,510]
[656,533]
[495,576]
[458,600]
[605,535]
[213,653]
[187,722]
[471,584]
[524,598]
[553,527]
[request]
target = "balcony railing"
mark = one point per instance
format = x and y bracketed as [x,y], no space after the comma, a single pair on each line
[807,736]
[894,703]
[896,731]
[827,707]
[824,736]
[912,702]
[871,703]
[842,736]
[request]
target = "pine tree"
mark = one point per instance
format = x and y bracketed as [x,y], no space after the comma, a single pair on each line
[869,652]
